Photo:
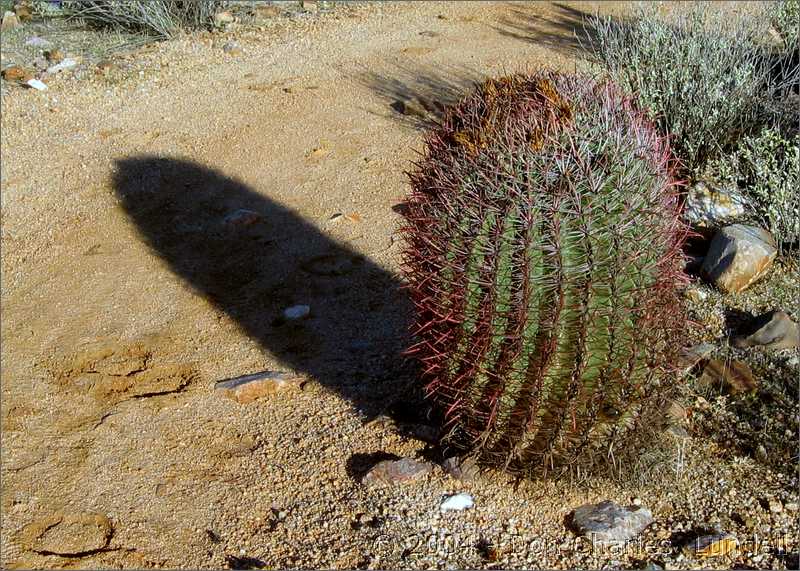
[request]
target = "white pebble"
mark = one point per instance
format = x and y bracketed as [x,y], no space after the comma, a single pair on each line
[36,84]
[457,502]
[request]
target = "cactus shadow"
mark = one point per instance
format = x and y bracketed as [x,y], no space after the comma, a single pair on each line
[417,95]
[351,343]
[567,30]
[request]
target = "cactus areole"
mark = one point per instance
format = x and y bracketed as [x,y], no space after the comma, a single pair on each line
[543,256]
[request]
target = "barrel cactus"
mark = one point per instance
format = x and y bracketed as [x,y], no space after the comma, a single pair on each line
[543,254]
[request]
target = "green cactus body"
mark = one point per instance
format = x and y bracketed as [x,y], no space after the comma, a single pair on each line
[544,260]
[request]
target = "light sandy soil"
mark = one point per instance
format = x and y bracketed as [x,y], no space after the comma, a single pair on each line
[125,295]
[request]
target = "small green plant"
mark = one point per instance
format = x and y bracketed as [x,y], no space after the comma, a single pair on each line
[543,256]
[161,19]
[702,74]
[767,168]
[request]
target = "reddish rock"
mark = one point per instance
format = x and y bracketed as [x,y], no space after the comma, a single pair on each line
[733,377]
[16,73]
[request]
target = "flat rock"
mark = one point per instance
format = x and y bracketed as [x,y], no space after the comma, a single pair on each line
[691,356]
[608,522]
[732,377]
[709,206]
[707,546]
[36,84]
[16,73]
[397,471]
[63,65]
[738,256]
[247,388]
[242,218]
[68,534]
[773,330]
[37,42]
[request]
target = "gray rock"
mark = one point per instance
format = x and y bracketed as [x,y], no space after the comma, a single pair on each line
[37,42]
[296,312]
[738,256]
[232,48]
[222,19]
[464,469]
[690,356]
[63,65]
[397,471]
[773,330]
[608,522]
[709,206]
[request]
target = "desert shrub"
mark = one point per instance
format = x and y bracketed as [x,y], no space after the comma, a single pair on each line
[158,18]
[702,74]
[767,168]
[786,21]
[543,257]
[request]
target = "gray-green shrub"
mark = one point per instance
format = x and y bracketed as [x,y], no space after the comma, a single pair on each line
[767,168]
[702,74]
[157,18]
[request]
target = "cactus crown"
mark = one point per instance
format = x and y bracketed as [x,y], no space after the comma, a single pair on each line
[543,257]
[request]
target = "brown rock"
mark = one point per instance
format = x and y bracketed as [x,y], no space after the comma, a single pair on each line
[105,66]
[266,12]
[16,73]
[23,12]
[707,546]
[397,471]
[54,56]
[68,534]
[774,330]
[463,469]
[733,377]
[738,256]
[248,388]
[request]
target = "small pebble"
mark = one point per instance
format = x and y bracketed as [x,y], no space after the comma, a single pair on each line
[296,312]
[457,502]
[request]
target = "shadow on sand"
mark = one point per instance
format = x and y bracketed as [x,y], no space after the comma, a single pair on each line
[352,342]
